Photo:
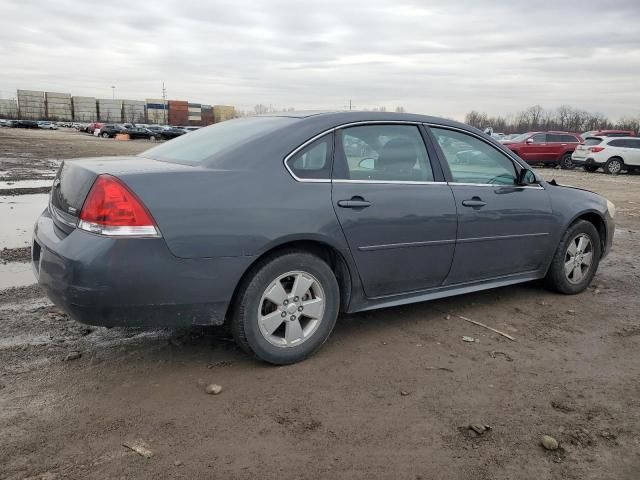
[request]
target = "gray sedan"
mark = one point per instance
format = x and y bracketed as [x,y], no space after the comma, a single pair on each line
[276,224]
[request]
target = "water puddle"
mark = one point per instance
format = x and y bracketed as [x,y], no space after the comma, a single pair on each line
[16,274]
[18,214]
[11,184]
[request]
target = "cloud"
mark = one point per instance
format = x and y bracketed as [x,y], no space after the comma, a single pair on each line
[442,58]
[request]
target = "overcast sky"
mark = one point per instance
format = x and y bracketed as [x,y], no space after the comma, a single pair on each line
[442,57]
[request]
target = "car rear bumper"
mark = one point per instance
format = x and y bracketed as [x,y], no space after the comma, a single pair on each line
[131,282]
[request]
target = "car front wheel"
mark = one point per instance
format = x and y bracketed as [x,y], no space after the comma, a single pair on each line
[287,308]
[576,259]
[105,135]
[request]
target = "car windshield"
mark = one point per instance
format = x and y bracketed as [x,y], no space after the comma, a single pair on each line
[521,138]
[203,144]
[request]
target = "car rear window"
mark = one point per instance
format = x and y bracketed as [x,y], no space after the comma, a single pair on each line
[592,141]
[199,146]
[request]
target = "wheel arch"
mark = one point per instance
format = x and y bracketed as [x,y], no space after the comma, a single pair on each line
[597,220]
[342,267]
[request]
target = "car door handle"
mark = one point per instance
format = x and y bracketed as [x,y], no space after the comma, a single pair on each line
[474,202]
[354,202]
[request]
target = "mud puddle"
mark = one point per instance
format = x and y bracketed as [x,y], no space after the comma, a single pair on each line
[17,217]
[16,274]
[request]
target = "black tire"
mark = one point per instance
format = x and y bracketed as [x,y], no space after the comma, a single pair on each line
[590,168]
[152,138]
[566,163]
[613,166]
[244,319]
[105,135]
[557,278]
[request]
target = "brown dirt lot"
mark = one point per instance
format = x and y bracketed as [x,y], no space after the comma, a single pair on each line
[391,394]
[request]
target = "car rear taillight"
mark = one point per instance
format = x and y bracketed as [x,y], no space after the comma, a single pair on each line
[596,149]
[112,209]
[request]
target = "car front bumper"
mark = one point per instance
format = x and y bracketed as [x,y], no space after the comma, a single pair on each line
[132,282]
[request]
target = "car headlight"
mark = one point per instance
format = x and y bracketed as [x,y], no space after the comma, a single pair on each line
[611,208]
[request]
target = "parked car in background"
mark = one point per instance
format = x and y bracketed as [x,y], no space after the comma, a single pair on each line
[612,154]
[91,128]
[609,133]
[4,123]
[138,132]
[549,148]
[187,234]
[110,130]
[27,124]
[171,132]
[190,128]
[47,125]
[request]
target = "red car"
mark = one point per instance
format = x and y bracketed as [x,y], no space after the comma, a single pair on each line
[550,148]
[94,126]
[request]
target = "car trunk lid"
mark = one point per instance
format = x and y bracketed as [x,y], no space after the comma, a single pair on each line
[75,178]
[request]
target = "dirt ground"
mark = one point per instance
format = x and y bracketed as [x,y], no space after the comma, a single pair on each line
[391,395]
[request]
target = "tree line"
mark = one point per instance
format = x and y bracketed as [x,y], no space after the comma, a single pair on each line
[564,118]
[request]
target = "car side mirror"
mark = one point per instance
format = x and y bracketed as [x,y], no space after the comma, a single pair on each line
[529,140]
[526,177]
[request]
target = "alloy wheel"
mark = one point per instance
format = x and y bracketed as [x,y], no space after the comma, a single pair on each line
[578,258]
[614,166]
[291,309]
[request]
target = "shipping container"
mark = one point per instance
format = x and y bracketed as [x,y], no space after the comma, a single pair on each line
[207,115]
[31,104]
[178,112]
[157,111]
[85,109]
[223,112]
[8,108]
[133,111]
[109,110]
[58,106]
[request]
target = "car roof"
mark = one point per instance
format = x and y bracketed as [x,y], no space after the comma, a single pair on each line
[329,119]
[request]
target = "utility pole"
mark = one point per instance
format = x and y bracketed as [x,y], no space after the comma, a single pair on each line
[349,104]
[164,104]
[113,92]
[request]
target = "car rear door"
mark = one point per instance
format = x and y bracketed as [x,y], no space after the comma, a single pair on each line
[395,209]
[503,228]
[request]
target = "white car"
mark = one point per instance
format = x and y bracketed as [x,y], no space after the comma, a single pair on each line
[613,154]
[47,125]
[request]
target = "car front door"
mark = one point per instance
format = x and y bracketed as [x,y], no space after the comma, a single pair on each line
[396,211]
[503,228]
[632,152]
[535,148]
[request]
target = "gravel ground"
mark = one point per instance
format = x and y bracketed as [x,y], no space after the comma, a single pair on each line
[391,394]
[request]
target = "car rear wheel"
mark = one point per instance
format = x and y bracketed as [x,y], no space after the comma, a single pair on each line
[591,168]
[152,138]
[613,166]
[105,135]
[287,308]
[566,162]
[576,259]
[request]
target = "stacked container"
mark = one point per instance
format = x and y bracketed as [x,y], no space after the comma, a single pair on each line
[178,112]
[223,112]
[195,114]
[207,115]
[8,108]
[31,104]
[133,111]
[109,110]
[59,106]
[84,109]
[157,111]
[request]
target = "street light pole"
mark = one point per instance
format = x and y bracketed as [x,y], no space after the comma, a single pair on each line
[113,92]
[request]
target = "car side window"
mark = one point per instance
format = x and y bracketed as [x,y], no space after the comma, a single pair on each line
[473,161]
[314,160]
[569,139]
[394,153]
[616,143]
[633,144]
[539,138]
